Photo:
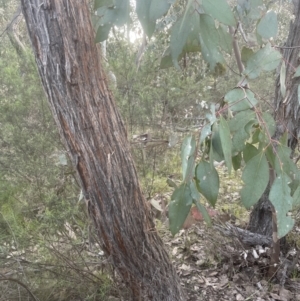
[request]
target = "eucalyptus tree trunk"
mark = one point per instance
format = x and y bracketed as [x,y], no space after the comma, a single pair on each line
[287,117]
[85,112]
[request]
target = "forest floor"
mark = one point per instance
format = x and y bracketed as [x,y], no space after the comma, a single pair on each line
[212,267]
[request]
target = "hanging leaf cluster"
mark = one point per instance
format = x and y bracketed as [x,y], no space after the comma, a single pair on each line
[243,138]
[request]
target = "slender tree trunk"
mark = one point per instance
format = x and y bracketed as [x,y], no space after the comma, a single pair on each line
[287,117]
[84,110]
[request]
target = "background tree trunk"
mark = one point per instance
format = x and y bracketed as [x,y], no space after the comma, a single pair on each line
[287,117]
[85,112]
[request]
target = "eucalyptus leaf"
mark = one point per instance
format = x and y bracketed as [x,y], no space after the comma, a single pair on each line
[284,163]
[179,208]
[110,14]
[225,38]
[268,25]
[270,155]
[194,191]
[205,132]
[296,197]
[270,123]
[101,3]
[143,13]
[256,179]
[158,8]
[240,99]
[209,40]
[237,161]
[226,142]
[207,181]
[280,197]
[265,59]
[187,156]
[249,152]
[241,129]
[240,120]
[256,9]
[180,32]
[204,212]
[102,33]
[219,10]
[216,147]
[246,54]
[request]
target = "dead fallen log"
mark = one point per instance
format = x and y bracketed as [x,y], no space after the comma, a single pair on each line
[244,236]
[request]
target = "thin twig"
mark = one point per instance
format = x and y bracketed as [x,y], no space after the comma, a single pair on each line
[22,284]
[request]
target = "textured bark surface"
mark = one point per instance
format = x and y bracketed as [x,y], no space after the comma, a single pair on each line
[287,109]
[85,112]
[287,117]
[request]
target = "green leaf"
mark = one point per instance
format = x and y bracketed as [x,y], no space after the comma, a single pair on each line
[280,197]
[249,152]
[158,8]
[268,26]
[284,139]
[296,197]
[204,212]
[237,161]
[209,40]
[284,163]
[166,60]
[207,181]
[110,15]
[187,156]
[102,33]
[239,129]
[246,54]
[282,79]
[180,205]
[238,140]
[265,59]
[240,99]
[256,9]
[270,123]
[185,35]
[297,72]
[100,3]
[270,155]
[205,132]
[240,120]
[118,14]
[220,10]
[143,13]
[225,38]
[192,45]
[180,32]
[194,191]
[226,142]
[216,151]
[255,136]
[256,179]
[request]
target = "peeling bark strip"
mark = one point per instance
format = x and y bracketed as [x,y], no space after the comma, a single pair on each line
[287,109]
[85,112]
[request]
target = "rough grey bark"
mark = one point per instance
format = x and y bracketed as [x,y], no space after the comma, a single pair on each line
[69,65]
[287,117]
